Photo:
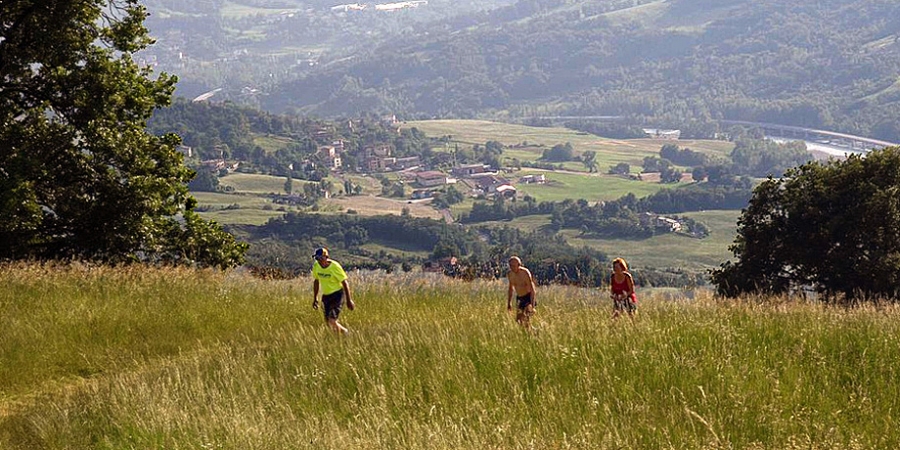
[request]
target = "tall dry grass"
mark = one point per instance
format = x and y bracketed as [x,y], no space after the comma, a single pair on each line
[180,359]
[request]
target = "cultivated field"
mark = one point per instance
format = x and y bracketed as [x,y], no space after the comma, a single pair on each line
[250,204]
[258,184]
[609,151]
[370,205]
[164,359]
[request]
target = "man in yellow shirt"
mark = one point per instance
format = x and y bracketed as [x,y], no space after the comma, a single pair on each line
[331,278]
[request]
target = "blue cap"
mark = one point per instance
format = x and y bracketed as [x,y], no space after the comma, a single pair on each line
[321,252]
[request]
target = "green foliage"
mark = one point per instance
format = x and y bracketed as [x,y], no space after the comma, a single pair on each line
[699,173]
[205,181]
[682,156]
[559,153]
[449,197]
[616,218]
[80,176]
[216,128]
[699,197]
[832,227]
[762,158]
[289,184]
[654,164]
[549,257]
[613,130]
[344,234]
[620,169]
[589,159]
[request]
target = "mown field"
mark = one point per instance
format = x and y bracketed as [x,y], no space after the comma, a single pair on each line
[183,359]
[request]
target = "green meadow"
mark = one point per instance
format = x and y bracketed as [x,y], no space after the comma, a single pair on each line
[258,183]
[593,188]
[104,358]
[272,143]
[672,250]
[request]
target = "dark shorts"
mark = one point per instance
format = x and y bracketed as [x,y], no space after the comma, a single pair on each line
[523,301]
[332,303]
[622,303]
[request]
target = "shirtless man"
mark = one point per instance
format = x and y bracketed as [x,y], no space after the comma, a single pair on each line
[521,281]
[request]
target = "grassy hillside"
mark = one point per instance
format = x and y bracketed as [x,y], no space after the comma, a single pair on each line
[140,358]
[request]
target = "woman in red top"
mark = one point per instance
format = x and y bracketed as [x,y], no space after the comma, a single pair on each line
[621,287]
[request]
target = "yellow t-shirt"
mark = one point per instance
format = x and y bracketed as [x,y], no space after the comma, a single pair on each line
[330,277]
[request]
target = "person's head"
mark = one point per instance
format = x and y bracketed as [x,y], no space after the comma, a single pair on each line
[515,263]
[619,265]
[321,255]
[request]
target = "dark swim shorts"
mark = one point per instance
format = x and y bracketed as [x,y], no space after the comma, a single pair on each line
[332,303]
[525,300]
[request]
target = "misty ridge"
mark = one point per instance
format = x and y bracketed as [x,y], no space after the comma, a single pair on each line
[677,63]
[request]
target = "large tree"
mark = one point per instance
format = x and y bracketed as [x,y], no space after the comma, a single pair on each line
[79,175]
[833,227]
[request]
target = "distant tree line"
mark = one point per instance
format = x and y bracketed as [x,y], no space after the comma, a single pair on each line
[285,242]
[614,130]
[618,218]
[282,248]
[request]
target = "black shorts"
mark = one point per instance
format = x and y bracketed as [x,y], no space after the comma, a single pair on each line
[524,300]
[332,304]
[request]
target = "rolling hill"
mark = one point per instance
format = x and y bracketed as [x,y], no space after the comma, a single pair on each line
[685,63]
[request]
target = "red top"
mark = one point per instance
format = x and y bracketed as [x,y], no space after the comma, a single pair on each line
[619,288]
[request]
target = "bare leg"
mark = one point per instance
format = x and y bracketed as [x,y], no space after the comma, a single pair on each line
[338,328]
[523,317]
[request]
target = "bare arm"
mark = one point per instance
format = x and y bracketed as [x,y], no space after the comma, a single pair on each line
[509,293]
[345,285]
[630,281]
[315,294]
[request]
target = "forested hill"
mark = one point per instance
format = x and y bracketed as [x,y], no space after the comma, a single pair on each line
[831,64]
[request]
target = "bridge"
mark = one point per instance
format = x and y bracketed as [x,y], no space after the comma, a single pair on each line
[848,141]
